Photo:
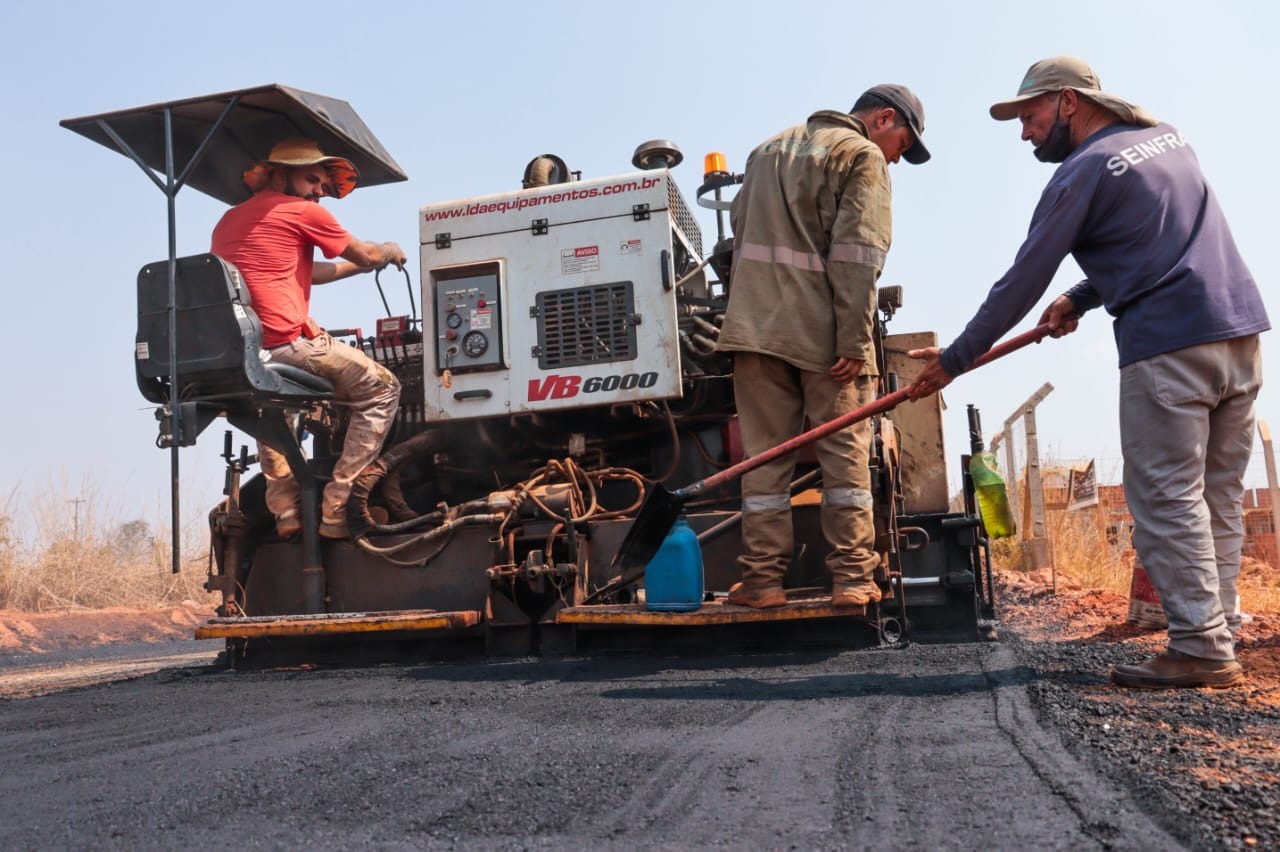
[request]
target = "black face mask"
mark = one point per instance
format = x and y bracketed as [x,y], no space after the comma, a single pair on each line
[1057,146]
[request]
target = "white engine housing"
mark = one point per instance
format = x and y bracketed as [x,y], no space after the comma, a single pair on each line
[554,298]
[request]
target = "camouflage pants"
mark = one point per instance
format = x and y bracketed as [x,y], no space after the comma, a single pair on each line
[773,400]
[360,384]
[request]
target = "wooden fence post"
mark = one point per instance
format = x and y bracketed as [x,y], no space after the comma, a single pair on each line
[1011,467]
[1273,488]
[1035,548]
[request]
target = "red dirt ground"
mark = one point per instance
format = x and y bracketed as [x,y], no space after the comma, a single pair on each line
[38,633]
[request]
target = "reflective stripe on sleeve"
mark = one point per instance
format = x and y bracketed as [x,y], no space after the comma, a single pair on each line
[855,253]
[808,261]
[767,502]
[844,497]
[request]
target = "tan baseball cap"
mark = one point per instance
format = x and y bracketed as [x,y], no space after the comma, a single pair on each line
[1068,72]
[300,151]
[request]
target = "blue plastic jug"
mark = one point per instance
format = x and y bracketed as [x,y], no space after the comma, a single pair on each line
[673,578]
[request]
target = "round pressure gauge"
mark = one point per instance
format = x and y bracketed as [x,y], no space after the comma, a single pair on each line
[454,320]
[475,344]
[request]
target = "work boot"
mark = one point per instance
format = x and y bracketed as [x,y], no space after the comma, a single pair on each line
[756,597]
[855,594]
[288,524]
[1173,669]
[334,528]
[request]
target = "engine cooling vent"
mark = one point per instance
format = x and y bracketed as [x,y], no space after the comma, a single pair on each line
[586,325]
[684,218]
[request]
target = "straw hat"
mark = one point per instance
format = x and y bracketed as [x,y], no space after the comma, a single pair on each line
[300,151]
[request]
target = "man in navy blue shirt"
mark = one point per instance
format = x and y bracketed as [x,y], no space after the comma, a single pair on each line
[1130,204]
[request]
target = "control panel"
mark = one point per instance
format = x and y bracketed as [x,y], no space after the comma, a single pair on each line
[468,318]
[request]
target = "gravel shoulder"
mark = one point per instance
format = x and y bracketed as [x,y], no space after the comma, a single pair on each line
[1205,762]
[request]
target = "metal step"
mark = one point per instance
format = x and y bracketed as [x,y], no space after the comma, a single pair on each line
[336,624]
[710,613]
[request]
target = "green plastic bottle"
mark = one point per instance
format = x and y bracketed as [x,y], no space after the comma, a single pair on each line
[993,498]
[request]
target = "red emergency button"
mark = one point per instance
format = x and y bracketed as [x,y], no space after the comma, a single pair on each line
[480,303]
[450,334]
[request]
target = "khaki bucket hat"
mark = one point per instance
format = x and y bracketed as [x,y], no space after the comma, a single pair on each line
[1068,72]
[300,151]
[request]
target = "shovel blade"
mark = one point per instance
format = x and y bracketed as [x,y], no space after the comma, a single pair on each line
[657,516]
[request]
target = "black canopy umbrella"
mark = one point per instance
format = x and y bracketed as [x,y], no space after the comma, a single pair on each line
[214,137]
[207,142]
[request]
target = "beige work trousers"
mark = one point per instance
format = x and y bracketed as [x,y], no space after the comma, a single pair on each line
[360,384]
[773,400]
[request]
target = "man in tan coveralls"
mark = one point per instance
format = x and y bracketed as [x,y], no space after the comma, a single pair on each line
[811,227]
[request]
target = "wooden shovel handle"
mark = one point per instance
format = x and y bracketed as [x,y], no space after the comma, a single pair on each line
[871,409]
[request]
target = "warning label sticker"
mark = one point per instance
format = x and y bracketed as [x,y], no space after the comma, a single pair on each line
[481,318]
[582,259]
[630,247]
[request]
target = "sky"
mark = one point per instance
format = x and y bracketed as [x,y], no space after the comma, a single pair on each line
[464,94]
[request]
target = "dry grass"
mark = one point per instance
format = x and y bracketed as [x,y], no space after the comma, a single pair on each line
[1259,587]
[1086,557]
[52,557]
[1078,552]
[1082,555]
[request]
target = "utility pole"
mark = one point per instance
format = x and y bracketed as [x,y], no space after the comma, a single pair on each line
[76,501]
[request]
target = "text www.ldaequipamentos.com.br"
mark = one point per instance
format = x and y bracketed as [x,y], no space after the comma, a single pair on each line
[540,200]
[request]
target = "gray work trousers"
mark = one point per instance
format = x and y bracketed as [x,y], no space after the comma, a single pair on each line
[1186,428]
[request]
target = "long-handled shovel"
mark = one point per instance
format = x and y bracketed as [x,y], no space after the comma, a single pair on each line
[662,507]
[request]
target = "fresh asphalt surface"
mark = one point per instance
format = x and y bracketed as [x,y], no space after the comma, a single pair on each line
[923,747]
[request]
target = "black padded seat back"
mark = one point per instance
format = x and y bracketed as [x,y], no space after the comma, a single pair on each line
[211,331]
[219,338]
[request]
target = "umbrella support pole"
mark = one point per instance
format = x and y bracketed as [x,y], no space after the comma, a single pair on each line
[170,188]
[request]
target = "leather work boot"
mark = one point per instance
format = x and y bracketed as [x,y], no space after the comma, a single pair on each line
[860,594]
[289,524]
[756,597]
[334,528]
[1173,669]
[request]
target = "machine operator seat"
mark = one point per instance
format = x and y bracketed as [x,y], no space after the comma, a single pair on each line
[219,346]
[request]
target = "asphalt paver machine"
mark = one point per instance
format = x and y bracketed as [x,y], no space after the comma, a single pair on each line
[564,361]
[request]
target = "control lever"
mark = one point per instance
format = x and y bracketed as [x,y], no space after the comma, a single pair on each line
[414,319]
